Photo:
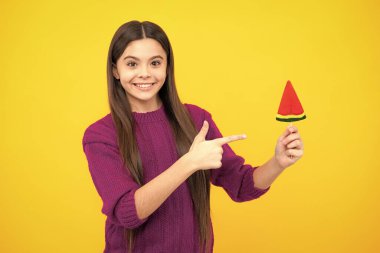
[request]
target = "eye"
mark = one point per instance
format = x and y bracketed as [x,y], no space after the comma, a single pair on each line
[156,63]
[131,64]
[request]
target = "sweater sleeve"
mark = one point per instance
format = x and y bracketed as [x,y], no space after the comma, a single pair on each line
[112,182]
[234,176]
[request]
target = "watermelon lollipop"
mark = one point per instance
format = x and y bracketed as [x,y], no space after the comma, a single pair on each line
[290,107]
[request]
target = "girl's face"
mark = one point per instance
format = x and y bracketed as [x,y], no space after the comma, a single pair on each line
[141,70]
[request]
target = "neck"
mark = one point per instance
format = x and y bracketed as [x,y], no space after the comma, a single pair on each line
[146,107]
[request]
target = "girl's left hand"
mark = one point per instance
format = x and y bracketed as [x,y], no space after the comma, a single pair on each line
[289,148]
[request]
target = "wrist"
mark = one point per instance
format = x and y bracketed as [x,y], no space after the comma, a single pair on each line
[187,164]
[276,164]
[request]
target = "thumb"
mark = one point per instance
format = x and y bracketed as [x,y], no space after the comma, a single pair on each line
[284,134]
[201,136]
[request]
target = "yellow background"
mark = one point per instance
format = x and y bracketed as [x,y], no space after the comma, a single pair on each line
[233,59]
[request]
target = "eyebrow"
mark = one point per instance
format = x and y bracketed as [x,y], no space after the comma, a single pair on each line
[133,57]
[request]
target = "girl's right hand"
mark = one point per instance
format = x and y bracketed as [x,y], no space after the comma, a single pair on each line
[206,155]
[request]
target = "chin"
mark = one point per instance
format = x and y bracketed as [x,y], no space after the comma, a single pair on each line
[142,98]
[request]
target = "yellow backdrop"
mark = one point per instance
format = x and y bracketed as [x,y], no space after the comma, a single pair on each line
[233,59]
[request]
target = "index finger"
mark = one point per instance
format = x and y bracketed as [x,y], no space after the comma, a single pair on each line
[231,138]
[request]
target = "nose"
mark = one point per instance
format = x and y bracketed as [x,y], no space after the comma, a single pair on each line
[144,72]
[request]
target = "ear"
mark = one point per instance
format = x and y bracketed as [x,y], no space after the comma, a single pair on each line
[114,71]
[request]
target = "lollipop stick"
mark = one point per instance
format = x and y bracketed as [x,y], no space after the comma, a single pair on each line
[291,156]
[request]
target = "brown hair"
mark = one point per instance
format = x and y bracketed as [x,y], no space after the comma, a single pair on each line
[182,125]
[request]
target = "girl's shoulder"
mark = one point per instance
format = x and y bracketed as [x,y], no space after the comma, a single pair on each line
[195,110]
[101,131]
[198,114]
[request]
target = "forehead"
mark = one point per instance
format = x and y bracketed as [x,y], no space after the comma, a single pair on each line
[144,49]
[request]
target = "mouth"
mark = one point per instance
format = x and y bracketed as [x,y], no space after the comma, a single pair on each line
[144,86]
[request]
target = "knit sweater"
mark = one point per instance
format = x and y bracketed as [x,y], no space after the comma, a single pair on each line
[172,227]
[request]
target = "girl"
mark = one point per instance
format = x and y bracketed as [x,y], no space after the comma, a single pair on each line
[152,158]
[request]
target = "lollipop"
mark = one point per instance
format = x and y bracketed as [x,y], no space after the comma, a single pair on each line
[290,108]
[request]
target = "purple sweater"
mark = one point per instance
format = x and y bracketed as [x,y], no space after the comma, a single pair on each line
[172,227]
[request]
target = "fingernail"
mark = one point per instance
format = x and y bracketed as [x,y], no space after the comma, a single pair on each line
[244,136]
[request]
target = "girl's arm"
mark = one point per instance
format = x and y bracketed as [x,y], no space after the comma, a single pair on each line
[202,155]
[124,201]
[289,149]
[150,196]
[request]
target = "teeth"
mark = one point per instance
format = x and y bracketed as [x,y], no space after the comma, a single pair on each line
[144,85]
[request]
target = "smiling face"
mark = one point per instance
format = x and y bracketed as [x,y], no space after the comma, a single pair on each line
[141,70]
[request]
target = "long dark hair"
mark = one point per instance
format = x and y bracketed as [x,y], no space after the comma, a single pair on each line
[182,125]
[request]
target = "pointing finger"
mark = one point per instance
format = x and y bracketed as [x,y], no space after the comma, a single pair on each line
[228,139]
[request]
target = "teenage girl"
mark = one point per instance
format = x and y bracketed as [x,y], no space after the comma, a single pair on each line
[152,158]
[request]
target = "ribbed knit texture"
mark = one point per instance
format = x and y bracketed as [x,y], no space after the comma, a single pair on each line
[172,227]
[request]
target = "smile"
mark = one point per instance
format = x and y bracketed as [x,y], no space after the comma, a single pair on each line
[144,86]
